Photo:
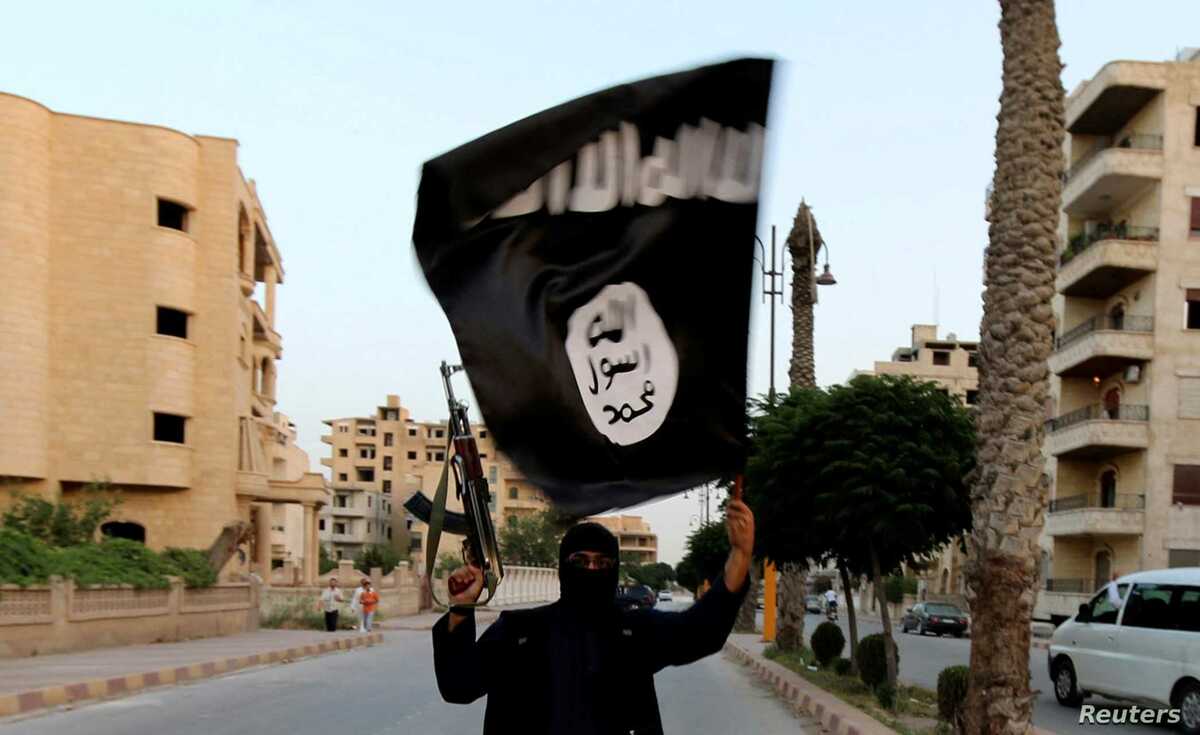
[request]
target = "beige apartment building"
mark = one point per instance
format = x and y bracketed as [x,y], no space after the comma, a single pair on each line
[377,462]
[135,348]
[634,536]
[953,365]
[1123,433]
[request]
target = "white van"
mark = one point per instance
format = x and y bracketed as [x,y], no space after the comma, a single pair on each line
[1147,649]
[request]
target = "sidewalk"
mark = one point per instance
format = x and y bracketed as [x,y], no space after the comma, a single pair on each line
[484,617]
[31,684]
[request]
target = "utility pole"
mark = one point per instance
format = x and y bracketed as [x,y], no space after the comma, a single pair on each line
[771,289]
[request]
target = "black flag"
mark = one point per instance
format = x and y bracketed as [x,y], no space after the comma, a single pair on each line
[595,263]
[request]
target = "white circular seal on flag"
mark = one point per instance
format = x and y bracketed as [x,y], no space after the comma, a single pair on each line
[624,363]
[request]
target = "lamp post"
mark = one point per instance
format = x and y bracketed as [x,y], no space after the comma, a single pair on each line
[771,290]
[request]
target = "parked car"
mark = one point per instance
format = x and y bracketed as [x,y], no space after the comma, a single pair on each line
[813,604]
[636,597]
[934,617]
[1147,648]
[664,596]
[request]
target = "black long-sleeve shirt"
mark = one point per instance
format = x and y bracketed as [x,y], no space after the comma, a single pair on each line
[544,670]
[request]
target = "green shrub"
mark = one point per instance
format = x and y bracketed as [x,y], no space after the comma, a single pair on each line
[896,587]
[871,658]
[447,562]
[843,667]
[376,555]
[61,524]
[952,693]
[190,564]
[325,561]
[827,643]
[885,694]
[301,613]
[24,560]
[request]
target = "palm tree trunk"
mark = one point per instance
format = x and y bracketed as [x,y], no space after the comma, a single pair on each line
[802,242]
[747,616]
[885,619]
[850,616]
[1009,485]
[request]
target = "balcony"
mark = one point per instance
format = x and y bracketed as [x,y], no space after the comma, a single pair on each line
[1109,100]
[1097,265]
[1097,432]
[1103,345]
[1088,514]
[263,332]
[1112,172]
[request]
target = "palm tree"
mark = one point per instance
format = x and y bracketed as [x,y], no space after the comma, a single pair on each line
[803,242]
[1009,484]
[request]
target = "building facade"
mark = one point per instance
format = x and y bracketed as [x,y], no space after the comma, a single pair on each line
[377,462]
[1123,430]
[953,365]
[134,349]
[635,538]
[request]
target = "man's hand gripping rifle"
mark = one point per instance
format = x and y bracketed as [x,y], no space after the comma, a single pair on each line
[475,522]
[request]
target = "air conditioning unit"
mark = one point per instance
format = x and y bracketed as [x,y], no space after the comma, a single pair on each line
[1133,374]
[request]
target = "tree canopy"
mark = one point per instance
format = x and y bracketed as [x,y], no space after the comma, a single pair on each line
[707,548]
[657,576]
[531,539]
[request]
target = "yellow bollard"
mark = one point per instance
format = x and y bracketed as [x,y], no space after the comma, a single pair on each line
[769,602]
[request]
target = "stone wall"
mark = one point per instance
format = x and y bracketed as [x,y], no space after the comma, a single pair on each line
[62,617]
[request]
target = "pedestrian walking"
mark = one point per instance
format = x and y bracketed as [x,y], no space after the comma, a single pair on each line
[330,598]
[368,600]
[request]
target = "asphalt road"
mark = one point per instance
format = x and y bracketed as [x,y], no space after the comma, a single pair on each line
[922,658]
[389,689]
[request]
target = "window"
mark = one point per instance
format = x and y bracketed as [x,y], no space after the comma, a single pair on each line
[320,524]
[342,477]
[365,475]
[172,322]
[439,433]
[1187,484]
[119,529]
[493,475]
[387,486]
[340,501]
[412,455]
[389,533]
[368,526]
[1104,611]
[173,215]
[389,439]
[412,431]
[169,427]
[391,414]
[1149,606]
[513,493]
[1194,229]
[972,397]
[343,453]
[1183,558]
[1193,308]
[342,428]
[1187,608]
[483,455]
[973,359]
[366,452]
[368,501]
[440,456]
[429,456]
[941,357]
[339,528]
[387,463]
[483,433]
[1189,398]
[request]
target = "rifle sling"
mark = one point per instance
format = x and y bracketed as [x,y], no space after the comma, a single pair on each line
[436,520]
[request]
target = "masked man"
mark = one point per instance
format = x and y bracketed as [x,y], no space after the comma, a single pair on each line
[582,666]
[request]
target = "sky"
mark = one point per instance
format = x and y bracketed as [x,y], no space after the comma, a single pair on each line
[882,117]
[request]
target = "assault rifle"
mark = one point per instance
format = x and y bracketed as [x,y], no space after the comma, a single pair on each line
[471,488]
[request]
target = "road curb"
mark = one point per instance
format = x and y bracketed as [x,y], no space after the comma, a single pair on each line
[27,702]
[834,715]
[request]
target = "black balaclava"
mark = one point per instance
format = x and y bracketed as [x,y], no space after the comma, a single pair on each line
[588,591]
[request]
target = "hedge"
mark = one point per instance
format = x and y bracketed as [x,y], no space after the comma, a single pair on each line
[25,560]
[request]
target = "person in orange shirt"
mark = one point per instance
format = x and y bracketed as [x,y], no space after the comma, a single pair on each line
[368,600]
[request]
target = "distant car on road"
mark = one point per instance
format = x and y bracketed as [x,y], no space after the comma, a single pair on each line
[934,617]
[665,596]
[812,604]
[636,597]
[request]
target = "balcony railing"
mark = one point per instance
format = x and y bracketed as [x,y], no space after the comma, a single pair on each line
[1098,412]
[1125,323]
[1133,140]
[1106,231]
[1078,586]
[1120,501]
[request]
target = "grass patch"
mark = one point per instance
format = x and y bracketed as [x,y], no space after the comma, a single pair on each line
[916,708]
[301,613]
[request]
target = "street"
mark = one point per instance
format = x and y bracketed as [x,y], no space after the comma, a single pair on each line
[922,658]
[388,689]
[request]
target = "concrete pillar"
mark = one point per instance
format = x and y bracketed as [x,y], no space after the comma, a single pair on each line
[248,251]
[272,279]
[262,540]
[310,544]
